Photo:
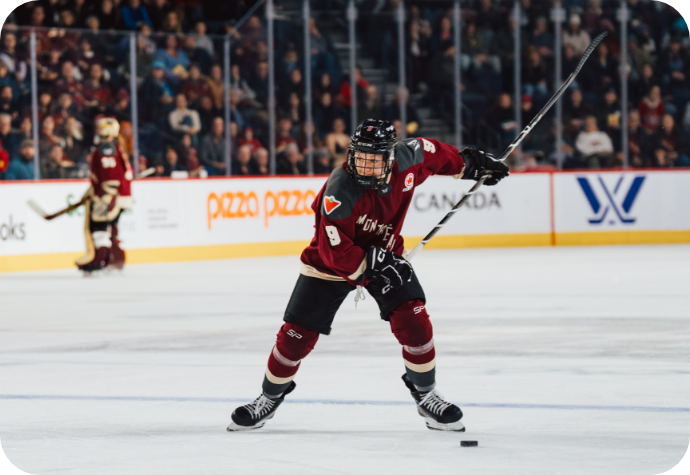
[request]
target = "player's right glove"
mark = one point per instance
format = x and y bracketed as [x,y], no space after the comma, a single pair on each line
[478,164]
[387,265]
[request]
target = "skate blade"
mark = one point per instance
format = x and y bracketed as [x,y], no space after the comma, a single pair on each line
[235,428]
[452,427]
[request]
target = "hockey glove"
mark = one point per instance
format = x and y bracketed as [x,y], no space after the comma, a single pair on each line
[390,267]
[478,164]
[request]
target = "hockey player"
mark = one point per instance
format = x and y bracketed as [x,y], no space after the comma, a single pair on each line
[109,194]
[359,216]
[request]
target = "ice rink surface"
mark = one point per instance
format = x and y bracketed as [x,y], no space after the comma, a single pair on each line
[568,360]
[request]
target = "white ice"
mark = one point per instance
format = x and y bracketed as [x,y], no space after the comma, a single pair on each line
[568,360]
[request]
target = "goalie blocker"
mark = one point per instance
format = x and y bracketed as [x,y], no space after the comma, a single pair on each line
[108,196]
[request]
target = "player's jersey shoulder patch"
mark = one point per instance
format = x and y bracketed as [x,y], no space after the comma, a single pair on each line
[408,152]
[340,196]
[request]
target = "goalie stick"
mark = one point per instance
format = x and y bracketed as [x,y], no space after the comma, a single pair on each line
[512,146]
[34,206]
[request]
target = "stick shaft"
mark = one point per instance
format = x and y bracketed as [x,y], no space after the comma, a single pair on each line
[512,146]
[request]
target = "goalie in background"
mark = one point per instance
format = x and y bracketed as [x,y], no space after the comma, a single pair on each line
[109,194]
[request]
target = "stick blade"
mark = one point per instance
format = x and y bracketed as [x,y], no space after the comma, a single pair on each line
[32,204]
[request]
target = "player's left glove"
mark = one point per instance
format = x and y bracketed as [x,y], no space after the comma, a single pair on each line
[478,164]
[392,268]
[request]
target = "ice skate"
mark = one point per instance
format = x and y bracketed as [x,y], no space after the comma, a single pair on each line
[254,415]
[438,413]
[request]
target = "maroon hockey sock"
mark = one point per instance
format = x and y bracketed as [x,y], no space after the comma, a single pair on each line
[294,343]
[411,326]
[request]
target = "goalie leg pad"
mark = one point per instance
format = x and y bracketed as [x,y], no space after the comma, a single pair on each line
[411,326]
[101,239]
[294,343]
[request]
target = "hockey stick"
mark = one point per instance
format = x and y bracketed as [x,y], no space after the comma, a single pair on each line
[32,204]
[512,146]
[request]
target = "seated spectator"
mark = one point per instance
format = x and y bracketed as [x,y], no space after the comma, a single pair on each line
[68,83]
[45,104]
[207,112]
[261,160]
[49,68]
[170,164]
[73,134]
[109,15]
[7,104]
[21,166]
[595,146]
[156,96]
[324,114]
[574,36]
[294,110]
[294,84]
[542,39]
[574,113]
[10,140]
[47,138]
[158,10]
[324,86]
[96,91]
[122,109]
[134,14]
[196,86]
[370,107]
[65,108]
[258,83]
[472,43]
[174,60]
[338,143]
[639,147]
[15,60]
[212,149]
[249,139]
[322,58]
[651,110]
[346,89]
[25,131]
[203,41]
[291,162]
[675,67]
[171,23]
[609,116]
[603,73]
[197,55]
[501,118]
[535,75]
[8,79]
[323,163]
[182,120]
[670,144]
[284,135]
[55,165]
[86,56]
[242,163]
[392,112]
[185,150]
[215,82]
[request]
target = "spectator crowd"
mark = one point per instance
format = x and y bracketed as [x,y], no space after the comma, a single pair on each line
[84,72]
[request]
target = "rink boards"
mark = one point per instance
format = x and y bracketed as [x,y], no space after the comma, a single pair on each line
[178,220]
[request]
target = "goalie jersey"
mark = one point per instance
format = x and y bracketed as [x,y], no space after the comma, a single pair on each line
[350,220]
[111,173]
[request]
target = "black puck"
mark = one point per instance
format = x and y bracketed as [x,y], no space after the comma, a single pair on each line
[469,443]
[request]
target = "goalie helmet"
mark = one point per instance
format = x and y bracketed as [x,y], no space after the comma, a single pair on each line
[107,129]
[371,154]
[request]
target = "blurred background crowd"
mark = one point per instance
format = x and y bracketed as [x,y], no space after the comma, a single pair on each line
[84,68]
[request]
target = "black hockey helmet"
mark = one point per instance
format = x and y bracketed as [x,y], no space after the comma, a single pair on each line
[372,137]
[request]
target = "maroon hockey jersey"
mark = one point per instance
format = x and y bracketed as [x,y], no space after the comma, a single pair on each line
[350,220]
[111,172]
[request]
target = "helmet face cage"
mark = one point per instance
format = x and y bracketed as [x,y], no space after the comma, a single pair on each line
[376,139]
